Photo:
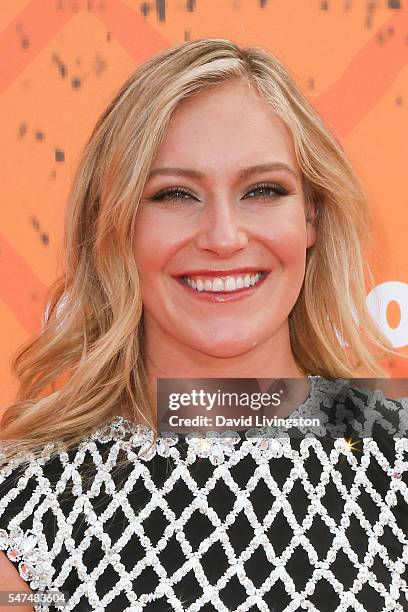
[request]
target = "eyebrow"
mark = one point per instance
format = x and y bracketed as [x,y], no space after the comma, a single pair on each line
[243,174]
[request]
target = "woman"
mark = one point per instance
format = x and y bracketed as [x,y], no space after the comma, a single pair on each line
[214,229]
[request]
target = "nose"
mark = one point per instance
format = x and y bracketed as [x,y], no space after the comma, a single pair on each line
[222,230]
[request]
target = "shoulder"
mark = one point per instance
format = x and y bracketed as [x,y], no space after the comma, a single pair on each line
[20,493]
[37,496]
[374,426]
[360,417]
[31,484]
[375,413]
[45,500]
[361,403]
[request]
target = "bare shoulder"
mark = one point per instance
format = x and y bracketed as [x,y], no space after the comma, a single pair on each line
[10,580]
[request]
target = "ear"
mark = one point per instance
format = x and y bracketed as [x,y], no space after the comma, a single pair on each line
[311,200]
[311,223]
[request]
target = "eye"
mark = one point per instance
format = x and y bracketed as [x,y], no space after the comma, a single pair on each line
[267,191]
[172,194]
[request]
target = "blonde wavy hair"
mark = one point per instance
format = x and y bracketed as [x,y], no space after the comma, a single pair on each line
[87,364]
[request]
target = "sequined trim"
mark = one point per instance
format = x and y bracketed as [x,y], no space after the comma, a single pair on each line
[34,564]
[35,561]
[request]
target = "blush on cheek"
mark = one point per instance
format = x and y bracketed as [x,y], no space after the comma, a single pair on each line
[289,248]
[159,237]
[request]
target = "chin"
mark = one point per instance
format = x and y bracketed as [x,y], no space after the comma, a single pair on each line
[232,347]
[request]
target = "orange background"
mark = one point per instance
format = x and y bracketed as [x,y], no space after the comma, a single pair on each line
[62,61]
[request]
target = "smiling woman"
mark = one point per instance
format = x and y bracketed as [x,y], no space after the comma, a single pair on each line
[215,229]
[221,238]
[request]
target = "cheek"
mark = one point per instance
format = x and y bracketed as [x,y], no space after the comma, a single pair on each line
[153,245]
[287,240]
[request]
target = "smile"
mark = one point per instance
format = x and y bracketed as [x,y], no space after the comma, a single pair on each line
[218,285]
[228,289]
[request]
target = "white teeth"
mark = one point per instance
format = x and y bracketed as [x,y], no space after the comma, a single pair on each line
[232,283]
[218,284]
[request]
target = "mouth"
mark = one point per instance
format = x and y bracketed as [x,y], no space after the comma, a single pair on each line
[221,289]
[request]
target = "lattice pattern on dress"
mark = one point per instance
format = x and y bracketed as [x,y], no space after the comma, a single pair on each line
[238,521]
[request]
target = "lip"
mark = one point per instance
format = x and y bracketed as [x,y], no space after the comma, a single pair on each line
[222,273]
[224,296]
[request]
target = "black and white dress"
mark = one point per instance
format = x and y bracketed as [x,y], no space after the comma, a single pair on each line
[239,521]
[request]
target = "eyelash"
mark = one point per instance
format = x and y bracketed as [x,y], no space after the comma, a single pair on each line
[279,191]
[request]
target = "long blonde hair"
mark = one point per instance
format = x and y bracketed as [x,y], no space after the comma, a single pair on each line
[87,364]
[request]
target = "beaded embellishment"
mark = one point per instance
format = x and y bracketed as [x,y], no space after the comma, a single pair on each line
[223,454]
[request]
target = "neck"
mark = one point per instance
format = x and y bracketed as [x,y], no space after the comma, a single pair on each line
[167,358]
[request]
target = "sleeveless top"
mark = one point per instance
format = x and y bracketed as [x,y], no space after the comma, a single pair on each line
[236,521]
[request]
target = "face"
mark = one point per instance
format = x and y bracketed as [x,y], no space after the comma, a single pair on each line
[223,208]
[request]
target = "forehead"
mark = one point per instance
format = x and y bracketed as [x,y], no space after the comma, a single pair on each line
[224,126]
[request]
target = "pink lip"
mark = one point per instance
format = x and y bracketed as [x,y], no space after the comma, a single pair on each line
[222,296]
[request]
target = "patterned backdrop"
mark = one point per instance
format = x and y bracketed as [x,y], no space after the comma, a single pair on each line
[62,60]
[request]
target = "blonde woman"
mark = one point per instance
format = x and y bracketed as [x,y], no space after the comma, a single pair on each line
[215,229]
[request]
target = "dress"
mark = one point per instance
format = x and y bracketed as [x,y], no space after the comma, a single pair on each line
[238,522]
